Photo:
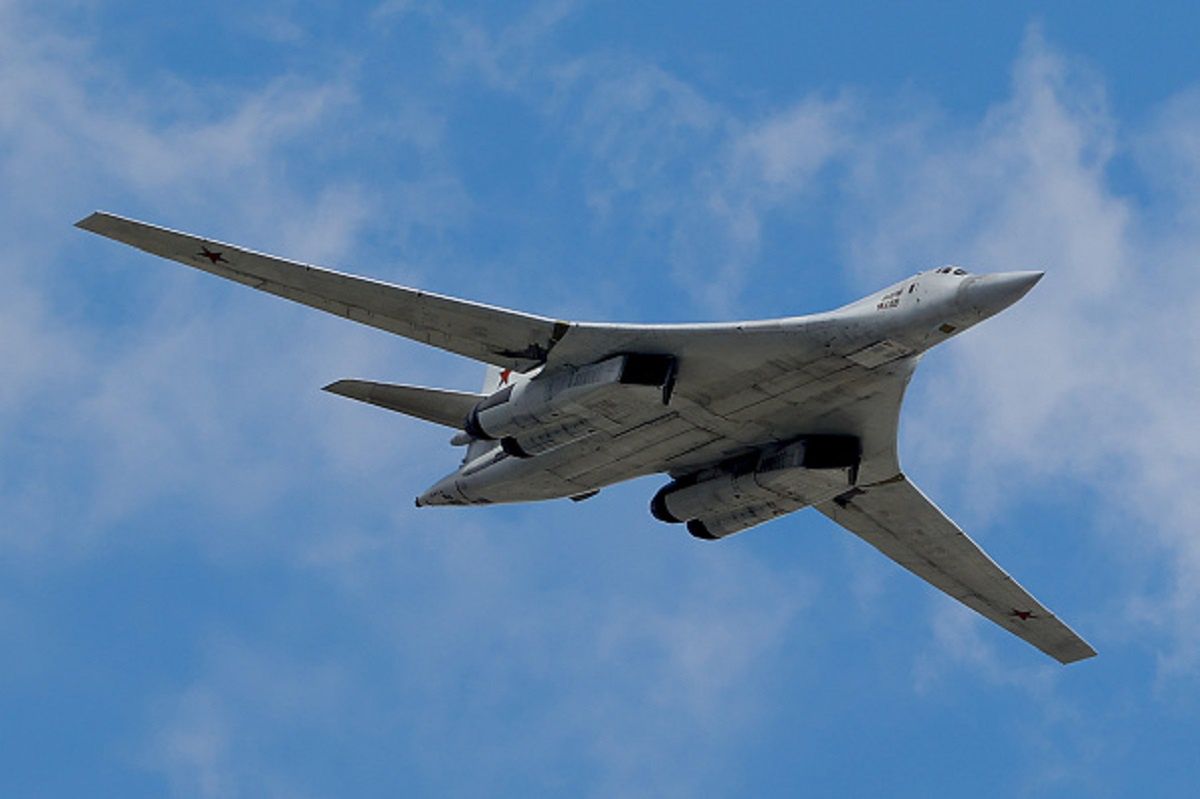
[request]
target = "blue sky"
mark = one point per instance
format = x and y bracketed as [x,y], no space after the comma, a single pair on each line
[213,581]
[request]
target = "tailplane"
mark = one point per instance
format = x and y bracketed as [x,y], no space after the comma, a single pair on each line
[437,405]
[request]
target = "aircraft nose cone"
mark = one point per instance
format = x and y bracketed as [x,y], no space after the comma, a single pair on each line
[990,294]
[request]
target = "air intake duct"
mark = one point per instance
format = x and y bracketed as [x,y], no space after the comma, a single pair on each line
[558,407]
[752,489]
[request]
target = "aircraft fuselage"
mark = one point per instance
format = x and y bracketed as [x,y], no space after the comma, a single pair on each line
[839,373]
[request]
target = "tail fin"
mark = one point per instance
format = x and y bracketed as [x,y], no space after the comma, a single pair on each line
[496,378]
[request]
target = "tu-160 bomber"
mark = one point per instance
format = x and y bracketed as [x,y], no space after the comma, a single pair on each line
[749,420]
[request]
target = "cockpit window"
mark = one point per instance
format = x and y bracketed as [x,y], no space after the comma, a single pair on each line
[947,270]
[960,271]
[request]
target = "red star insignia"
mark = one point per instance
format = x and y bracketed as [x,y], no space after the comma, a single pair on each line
[504,375]
[215,257]
[1023,615]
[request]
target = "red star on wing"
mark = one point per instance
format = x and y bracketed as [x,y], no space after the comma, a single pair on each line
[215,257]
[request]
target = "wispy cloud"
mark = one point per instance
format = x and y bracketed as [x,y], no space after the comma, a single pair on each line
[606,670]
[694,172]
[1072,384]
[1066,384]
[632,684]
[246,700]
[157,402]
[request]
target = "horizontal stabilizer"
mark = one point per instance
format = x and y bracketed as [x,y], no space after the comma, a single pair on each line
[437,405]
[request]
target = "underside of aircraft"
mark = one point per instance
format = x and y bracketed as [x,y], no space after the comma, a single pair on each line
[749,420]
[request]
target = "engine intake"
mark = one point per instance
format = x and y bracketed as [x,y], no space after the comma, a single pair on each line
[554,408]
[749,490]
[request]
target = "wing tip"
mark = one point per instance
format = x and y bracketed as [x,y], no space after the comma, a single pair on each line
[1084,652]
[91,222]
[103,223]
[341,387]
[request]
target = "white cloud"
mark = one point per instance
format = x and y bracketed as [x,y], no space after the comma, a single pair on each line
[640,682]
[657,154]
[960,641]
[169,398]
[694,173]
[1091,379]
[193,749]
[209,739]
[199,392]
[783,152]
[507,56]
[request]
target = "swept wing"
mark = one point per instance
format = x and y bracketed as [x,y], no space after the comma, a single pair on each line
[899,521]
[493,335]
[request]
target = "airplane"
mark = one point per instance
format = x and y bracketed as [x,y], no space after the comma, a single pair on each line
[749,420]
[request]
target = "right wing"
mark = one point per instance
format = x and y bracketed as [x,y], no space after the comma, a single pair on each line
[898,520]
[509,339]
[770,349]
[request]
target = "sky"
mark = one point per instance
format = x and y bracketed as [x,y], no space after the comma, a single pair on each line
[213,581]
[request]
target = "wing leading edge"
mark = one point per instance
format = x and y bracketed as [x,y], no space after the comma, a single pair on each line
[508,339]
[901,522]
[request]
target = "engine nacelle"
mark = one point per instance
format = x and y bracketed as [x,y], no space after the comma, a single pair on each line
[751,490]
[553,409]
[544,439]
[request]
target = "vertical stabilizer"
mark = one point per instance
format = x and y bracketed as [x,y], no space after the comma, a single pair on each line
[494,379]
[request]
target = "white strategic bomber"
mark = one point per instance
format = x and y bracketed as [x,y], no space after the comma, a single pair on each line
[750,420]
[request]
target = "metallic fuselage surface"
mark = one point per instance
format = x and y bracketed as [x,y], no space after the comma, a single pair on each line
[841,372]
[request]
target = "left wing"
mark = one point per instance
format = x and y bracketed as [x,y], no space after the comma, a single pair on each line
[898,520]
[493,335]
